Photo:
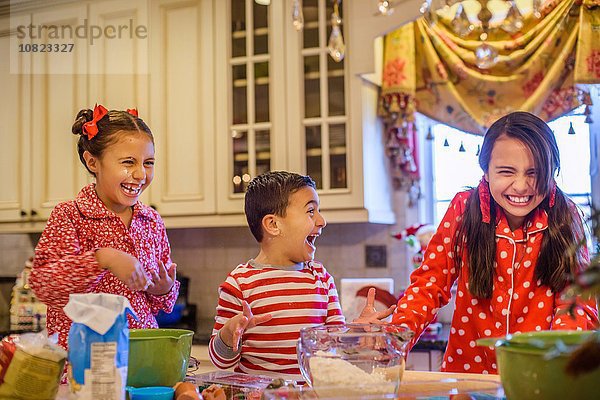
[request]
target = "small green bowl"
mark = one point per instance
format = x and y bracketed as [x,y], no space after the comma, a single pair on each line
[527,373]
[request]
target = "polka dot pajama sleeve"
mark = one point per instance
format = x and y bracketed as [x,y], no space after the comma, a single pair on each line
[431,282]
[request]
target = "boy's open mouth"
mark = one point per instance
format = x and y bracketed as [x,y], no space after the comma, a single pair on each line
[519,200]
[311,240]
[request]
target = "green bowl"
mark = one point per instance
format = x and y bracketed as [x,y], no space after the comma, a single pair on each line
[528,372]
[158,357]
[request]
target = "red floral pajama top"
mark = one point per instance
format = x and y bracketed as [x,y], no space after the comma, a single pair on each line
[65,263]
[519,302]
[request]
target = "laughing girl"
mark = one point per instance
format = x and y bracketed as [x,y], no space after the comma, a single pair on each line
[106,240]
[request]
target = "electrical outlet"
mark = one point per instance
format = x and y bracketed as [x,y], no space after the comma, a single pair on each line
[376,256]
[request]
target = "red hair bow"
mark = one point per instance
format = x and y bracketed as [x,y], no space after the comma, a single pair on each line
[89,128]
[133,111]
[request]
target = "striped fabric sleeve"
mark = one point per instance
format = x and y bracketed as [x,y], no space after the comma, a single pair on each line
[229,305]
[334,310]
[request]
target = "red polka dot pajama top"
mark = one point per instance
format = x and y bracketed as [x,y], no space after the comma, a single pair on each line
[519,302]
[65,263]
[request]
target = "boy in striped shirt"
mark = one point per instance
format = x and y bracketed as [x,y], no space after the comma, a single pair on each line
[265,302]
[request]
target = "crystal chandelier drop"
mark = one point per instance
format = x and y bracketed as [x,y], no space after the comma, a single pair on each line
[476,19]
[335,44]
[297,15]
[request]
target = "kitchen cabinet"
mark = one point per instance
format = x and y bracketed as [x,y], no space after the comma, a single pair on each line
[15,200]
[288,105]
[229,88]
[42,167]
[182,108]
[117,72]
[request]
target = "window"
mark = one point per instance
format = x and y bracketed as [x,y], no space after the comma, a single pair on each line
[448,143]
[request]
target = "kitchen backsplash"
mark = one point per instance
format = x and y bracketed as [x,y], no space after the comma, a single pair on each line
[206,255]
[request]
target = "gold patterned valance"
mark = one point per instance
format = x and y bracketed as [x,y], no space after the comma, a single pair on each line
[429,69]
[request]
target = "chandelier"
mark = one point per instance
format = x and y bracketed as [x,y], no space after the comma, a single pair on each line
[476,19]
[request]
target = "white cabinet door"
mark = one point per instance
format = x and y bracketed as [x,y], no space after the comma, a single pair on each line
[58,87]
[118,61]
[182,107]
[249,96]
[15,115]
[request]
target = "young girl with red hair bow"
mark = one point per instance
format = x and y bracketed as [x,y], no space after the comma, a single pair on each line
[510,246]
[106,240]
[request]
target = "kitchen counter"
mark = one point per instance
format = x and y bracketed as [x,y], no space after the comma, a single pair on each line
[421,382]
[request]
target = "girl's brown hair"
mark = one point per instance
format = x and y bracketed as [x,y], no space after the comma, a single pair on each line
[475,242]
[110,128]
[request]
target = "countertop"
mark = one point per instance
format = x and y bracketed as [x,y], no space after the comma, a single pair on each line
[423,383]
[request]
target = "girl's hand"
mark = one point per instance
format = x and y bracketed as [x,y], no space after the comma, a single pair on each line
[163,281]
[125,267]
[369,315]
[232,331]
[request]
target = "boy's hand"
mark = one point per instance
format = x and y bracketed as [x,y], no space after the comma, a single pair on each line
[124,266]
[162,281]
[369,315]
[232,331]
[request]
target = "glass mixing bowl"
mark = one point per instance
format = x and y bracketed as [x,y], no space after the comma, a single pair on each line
[350,360]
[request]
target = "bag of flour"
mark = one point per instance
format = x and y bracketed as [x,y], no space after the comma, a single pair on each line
[98,346]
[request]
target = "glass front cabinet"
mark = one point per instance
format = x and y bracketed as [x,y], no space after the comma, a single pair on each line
[283,103]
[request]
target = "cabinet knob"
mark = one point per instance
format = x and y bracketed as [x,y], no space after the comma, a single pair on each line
[34,213]
[23,213]
[153,206]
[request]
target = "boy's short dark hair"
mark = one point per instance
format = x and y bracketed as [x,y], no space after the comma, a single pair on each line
[269,193]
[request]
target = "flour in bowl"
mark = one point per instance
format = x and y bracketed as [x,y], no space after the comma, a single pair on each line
[349,380]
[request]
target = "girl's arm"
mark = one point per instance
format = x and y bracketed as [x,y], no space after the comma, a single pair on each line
[60,266]
[431,282]
[585,313]
[166,301]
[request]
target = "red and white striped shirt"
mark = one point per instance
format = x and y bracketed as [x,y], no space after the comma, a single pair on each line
[299,296]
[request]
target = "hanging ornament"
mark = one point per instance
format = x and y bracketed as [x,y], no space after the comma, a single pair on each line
[485,56]
[430,9]
[478,150]
[429,134]
[513,22]
[461,24]
[588,119]
[571,130]
[297,15]
[446,144]
[537,8]
[336,46]
[587,111]
[385,7]
[461,149]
